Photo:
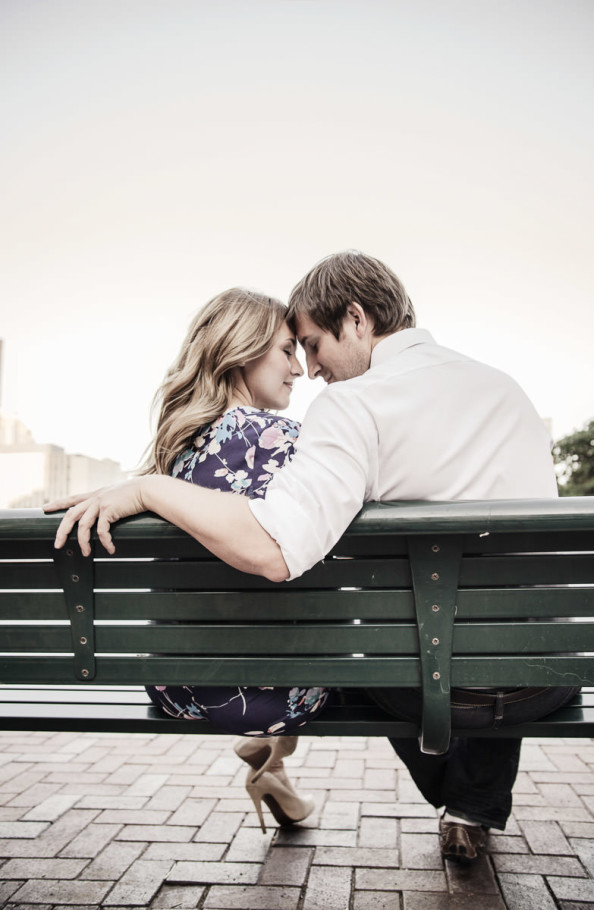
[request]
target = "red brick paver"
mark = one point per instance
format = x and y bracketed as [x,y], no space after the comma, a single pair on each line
[89,821]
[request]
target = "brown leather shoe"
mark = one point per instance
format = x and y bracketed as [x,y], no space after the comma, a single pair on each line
[461,843]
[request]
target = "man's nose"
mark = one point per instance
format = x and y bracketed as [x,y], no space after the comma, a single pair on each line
[313,367]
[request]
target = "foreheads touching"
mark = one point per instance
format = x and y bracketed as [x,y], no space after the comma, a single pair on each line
[341,308]
[325,293]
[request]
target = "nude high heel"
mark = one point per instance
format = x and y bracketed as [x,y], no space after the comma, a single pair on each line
[265,754]
[284,803]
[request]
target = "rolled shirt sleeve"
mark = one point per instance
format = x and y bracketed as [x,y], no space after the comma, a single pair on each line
[311,502]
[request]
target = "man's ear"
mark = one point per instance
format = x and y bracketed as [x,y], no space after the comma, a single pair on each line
[359,317]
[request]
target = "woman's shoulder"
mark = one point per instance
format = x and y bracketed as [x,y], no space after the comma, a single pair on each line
[241,413]
[242,420]
[238,429]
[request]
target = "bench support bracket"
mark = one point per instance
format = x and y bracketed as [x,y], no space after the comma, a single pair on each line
[76,574]
[435,566]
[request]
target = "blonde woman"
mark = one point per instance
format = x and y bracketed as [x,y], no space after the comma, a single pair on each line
[216,429]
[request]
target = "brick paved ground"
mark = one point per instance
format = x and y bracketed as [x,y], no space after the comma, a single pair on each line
[89,821]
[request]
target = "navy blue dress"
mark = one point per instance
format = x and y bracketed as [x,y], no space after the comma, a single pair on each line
[241,451]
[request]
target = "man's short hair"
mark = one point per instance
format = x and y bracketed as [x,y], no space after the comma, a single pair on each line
[352,277]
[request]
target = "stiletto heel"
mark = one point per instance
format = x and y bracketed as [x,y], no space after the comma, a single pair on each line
[257,801]
[263,754]
[284,803]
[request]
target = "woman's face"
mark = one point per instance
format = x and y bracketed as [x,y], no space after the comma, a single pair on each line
[269,378]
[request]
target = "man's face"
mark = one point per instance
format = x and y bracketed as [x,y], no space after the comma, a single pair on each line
[333,359]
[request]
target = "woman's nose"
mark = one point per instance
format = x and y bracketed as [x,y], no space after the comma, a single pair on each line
[296,368]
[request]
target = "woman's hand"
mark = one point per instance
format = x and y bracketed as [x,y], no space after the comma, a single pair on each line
[103,506]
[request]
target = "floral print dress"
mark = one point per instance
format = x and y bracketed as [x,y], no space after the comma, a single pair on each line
[241,451]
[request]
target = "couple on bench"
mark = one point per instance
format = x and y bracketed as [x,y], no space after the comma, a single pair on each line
[401,418]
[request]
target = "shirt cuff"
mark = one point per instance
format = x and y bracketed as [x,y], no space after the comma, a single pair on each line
[292,529]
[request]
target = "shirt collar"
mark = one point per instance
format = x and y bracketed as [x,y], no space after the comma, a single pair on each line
[398,342]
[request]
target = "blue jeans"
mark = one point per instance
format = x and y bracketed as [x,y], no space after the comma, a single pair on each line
[474,778]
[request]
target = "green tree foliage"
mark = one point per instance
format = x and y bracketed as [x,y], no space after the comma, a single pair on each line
[574,458]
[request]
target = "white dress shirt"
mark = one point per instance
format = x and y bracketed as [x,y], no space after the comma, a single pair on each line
[423,422]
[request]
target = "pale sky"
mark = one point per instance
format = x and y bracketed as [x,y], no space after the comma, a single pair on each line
[156,152]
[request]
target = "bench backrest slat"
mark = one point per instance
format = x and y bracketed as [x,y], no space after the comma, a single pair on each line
[473,603]
[321,639]
[498,670]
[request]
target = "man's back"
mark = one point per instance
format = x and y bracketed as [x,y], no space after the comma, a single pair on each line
[423,422]
[450,427]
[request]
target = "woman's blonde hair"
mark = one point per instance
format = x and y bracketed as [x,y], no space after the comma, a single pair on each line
[233,328]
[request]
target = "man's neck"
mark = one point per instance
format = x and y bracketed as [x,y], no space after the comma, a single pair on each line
[375,339]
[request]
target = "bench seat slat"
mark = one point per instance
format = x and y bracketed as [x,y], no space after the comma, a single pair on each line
[129,712]
[148,719]
[108,695]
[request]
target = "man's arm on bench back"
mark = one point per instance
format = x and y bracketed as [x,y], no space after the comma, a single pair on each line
[222,522]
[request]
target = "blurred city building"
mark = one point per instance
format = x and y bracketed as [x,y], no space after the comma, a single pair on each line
[32,473]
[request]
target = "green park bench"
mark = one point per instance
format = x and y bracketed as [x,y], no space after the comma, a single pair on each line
[496,593]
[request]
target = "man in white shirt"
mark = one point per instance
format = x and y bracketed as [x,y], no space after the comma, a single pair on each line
[404,418]
[401,418]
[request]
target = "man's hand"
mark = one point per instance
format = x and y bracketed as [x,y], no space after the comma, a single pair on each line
[222,522]
[103,506]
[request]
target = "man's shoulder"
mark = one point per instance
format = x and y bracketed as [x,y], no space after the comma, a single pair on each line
[411,365]
[414,351]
